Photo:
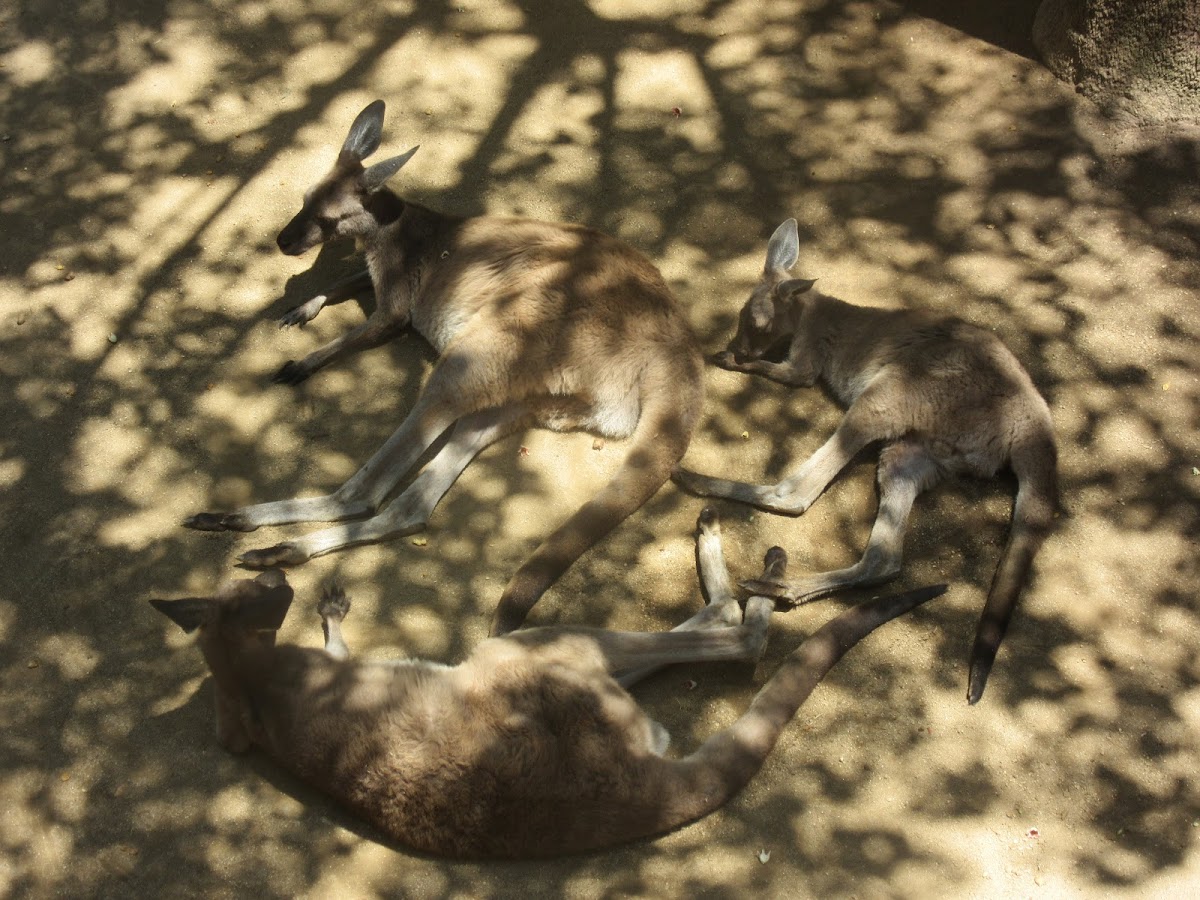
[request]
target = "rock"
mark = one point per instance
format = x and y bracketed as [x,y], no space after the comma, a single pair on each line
[1135,58]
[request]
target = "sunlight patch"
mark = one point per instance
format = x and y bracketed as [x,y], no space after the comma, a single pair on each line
[29,63]
[193,57]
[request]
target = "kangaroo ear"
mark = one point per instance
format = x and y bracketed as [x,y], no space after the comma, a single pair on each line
[795,286]
[366,132]
[263,606]
[784,247]
[375,177]
[189,613]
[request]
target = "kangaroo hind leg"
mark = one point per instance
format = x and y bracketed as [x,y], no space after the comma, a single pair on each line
[798,491]
[718,632]
[409,512]
[332,608]
[905,470]
[441,403]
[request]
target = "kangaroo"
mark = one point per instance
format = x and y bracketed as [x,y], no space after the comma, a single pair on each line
[943,396]
[551,324]
[531,747]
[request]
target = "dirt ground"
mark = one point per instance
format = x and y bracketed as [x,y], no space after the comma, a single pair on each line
[151,152]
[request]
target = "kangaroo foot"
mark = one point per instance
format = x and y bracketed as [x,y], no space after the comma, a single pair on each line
[334,604]
[285,554]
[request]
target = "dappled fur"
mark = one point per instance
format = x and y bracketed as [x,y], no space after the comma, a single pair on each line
[533,322]
[942,396]
[531,746]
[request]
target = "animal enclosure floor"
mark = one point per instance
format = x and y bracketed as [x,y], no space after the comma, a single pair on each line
[151,152]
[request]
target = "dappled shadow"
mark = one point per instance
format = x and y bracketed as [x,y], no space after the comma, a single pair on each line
[150,155]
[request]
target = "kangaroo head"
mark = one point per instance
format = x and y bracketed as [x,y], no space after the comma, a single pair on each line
[770,316]
[340,204]
[236,624]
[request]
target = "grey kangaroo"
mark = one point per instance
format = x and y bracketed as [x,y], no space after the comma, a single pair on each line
[551,324]
[943,396]
[532,746]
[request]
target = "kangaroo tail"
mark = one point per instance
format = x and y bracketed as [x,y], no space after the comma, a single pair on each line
[729,759]
[671,399]
[1035,465]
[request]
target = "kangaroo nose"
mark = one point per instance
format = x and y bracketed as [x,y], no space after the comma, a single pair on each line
[288,241]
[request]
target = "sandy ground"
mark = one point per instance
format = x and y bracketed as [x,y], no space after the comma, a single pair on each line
[152,151]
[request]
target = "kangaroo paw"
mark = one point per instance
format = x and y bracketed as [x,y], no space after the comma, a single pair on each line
[725,360]
[285,554]
[709,521]
[302,314]
[334,604]
[207,521]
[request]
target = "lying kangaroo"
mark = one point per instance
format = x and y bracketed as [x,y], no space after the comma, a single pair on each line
[552,324]
[531,747]
[945,397]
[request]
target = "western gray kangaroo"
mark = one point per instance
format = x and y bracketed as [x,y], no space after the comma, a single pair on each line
[532,746]
[943,396]
[552,324]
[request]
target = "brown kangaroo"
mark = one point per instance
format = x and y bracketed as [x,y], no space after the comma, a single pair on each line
[532,746]
[534,322]
[944,397]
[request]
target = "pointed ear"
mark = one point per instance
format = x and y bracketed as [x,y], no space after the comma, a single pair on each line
[189,613]
[366,132]
[265,607]
[784,247]
[375,177]
[794,286]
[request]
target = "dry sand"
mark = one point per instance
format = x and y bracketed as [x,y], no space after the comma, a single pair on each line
[152,151]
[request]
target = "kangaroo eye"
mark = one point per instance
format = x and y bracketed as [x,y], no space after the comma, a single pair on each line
[326,223]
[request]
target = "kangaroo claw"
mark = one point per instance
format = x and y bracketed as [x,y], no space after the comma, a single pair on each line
[334,604]
[303,314]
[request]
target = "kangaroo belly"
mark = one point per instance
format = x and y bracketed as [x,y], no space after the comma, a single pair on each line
[499,775]
[611,411]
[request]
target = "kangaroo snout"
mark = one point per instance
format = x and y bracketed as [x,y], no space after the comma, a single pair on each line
[292,240]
